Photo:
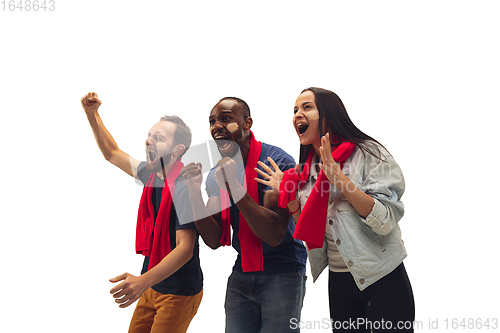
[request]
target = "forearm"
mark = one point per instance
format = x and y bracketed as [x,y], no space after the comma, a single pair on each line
[362,202]
[206,224]
[264,221]
[104,140]
[168,266]
[294,207]
[271,201]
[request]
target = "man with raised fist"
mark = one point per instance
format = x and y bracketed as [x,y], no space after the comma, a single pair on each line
[267,285]
[170,286]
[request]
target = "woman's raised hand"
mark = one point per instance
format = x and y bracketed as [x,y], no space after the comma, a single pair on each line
[273,177]
[330,168]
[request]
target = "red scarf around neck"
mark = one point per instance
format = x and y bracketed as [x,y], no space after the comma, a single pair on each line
[311,225]
[152,237]
[251,246]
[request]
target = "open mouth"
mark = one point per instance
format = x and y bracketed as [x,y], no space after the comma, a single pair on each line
[224,145]
[151,155]
[302,128]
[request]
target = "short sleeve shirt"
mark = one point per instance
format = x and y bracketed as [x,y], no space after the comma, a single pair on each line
[188,280]
[290,255]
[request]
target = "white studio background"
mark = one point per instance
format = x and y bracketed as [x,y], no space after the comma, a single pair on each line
[421,77]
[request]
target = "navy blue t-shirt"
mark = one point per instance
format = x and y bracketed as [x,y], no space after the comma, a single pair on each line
[290,255]
[188,280]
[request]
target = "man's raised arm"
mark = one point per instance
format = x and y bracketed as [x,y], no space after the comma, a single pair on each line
[105,141]
[269,222]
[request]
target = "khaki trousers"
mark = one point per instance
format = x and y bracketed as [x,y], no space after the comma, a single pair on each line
[164,313]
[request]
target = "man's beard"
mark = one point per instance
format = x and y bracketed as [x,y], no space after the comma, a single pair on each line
[160,164]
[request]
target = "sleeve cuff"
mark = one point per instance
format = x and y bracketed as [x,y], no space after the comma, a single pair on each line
[377,215]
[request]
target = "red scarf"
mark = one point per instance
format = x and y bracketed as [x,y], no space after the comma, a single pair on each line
[159,246]
[311,225]
[251,246]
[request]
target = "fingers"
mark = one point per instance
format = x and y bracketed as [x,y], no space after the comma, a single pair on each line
[190,167]
[125,298]
[191,170]
[126,292]
[220,171]
[220,178]
[120,293]
[275,166]
[228,168]
[126,301]
[325,144]
[262,181]
[326,151]
[117,289]
[90,99]
[84,100]
[223,174]
[129,301]
[265,167]
[94,98]
[119,277]
[262,173]
[322,154]
[225,160]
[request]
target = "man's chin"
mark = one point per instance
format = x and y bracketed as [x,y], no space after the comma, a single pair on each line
[153,167]
[228,151]
[158,164]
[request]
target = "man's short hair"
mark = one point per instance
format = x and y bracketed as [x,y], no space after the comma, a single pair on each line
[242,103]
[182,132]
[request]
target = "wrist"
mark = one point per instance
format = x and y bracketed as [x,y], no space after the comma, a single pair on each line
[91,113]
[294,211]
[346,186]
[148,279]
[195,196]
[236,191]
[293,206]
[193,191]
[342,182]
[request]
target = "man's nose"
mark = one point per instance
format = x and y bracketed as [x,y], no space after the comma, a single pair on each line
[217,125]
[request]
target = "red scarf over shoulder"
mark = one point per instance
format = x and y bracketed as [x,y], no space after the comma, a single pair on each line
[311,225]
[251,246]
[152,237]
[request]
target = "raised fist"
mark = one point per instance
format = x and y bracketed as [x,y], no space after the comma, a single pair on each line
[193,177]
[90,102]
[225,172]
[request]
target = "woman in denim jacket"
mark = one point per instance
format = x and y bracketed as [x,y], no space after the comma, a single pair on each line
[369,289]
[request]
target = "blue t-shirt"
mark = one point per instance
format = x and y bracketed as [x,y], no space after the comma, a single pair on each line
[290,255]
[188,280]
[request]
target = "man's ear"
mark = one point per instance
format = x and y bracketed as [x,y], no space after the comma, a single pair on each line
[178,149]
[248,123]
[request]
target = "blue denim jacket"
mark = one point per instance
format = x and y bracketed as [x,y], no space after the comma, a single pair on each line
[371,247]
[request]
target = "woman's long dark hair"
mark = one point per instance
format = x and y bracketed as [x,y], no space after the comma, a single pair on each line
[332,111]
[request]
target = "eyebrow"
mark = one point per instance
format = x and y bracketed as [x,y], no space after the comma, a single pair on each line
[306,102]
[222,112]
[157,133]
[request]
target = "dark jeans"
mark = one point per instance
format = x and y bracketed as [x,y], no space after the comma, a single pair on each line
[263,303]
[385,306]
